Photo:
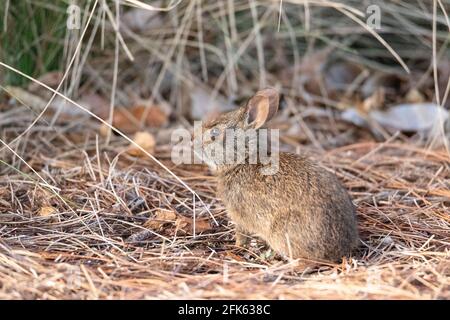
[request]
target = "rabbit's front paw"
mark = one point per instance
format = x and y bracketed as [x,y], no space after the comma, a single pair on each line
[242,239]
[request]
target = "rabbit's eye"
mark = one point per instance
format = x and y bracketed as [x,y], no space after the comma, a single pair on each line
[215,132]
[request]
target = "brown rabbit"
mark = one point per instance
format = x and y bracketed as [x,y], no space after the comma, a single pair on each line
[301,210]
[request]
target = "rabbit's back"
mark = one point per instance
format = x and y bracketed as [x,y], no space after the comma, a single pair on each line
[302,210]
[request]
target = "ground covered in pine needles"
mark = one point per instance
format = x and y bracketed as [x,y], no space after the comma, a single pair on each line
[85,220]
[84,216]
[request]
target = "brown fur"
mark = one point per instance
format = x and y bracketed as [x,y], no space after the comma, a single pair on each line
[300,211]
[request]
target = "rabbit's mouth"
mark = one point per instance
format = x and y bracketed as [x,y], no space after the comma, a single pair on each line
[212,157]
[203,156]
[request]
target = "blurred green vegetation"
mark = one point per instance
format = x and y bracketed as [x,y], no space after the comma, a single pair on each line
[31,37]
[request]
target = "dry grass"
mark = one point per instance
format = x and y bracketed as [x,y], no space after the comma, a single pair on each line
[95,244]
[73,208]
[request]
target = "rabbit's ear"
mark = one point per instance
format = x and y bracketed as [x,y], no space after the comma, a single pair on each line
[261,107]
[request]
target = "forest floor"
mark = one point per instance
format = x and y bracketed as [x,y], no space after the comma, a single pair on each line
[83,219]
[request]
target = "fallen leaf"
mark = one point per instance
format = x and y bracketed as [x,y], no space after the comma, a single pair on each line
[354,116]
[143,139]
[156,117]
[26,97]
[124,120]
[411,117]
[46,211]
[161,217]
[185,224]
[234,256]
[403,117]
[63,108]
[129,119]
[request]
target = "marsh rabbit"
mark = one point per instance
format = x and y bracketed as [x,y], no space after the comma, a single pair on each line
[300,209]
